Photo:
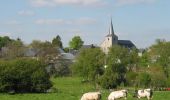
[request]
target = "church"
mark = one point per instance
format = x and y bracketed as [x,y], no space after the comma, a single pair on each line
[112,39]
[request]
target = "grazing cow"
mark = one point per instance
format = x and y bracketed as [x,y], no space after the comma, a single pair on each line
[144,93]
[117,94]
[91,96]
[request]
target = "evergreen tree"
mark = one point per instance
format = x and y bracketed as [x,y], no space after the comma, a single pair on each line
[57,42]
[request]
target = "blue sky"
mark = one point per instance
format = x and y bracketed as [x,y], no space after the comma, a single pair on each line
[141,21]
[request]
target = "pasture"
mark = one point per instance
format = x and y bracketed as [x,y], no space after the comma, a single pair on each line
[72,89]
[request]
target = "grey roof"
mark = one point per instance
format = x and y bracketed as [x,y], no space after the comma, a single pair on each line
[88,46]
[61,50]
[126,43]
[68,56]
[31,52]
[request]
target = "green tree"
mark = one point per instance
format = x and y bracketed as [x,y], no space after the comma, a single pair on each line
[57,42]
[133,59]
[76,43]
[13,49]
[117,59]
[23,75]
[45,49]
[144,80]
[89,64]
[4,41]
[159,53]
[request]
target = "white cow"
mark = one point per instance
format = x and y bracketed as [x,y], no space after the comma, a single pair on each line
[145,93]
[117,94]
[91,96]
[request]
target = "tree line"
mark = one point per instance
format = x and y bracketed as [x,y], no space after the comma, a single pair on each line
[124,67]
[28,68]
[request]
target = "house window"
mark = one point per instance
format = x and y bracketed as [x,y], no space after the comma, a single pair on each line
[108,39]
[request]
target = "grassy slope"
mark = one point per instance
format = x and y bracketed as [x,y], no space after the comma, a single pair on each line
[72,89]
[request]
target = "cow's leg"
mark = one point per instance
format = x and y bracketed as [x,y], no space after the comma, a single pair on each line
[138,97]
[148,98]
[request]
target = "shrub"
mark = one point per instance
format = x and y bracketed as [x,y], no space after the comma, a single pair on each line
[131,78]
[144,79]
[23,75]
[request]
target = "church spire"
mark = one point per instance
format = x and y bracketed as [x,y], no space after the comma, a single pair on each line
[111,31]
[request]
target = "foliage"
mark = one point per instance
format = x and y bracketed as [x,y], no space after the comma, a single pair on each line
[13,49]
[89,64]
[144,60]
[131,78]
[4,41]
[60,68]
[144,80]
[160,54]
[133,60]
[44,50]
[117,59]
[66,49]
[23,75]
[109,79]
[76,43]
[57,42]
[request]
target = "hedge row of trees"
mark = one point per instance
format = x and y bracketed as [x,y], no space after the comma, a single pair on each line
[23,75]
[123,67]
[28,68]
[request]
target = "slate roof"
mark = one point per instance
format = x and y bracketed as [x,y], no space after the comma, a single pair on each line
[31,52]
[88,46]
[126,43]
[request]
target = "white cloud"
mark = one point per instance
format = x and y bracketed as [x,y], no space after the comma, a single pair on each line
[50,21]
[130,2]
[26,13]
[81,21]
[4,34]
[42,3]
[84,21]
[13,22]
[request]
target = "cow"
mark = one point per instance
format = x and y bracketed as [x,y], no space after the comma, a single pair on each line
[91,96]
[118,94]
[148,93]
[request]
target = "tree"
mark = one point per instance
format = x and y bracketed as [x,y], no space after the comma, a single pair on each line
[14,49]
[159,53]
[89,64]
[4,41]
[76,43]
[57,42]
[23,75]
[117,59]
[44,49]
[133,59]
[47,52]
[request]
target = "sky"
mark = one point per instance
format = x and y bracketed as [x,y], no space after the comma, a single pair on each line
[141,21]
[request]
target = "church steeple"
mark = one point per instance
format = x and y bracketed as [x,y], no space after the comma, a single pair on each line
[111,31]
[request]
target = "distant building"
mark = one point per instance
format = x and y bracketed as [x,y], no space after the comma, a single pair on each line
[112,39]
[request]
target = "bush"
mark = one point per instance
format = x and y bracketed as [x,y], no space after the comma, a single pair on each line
[108,81]
[144,79]
[131,78]
[23,75]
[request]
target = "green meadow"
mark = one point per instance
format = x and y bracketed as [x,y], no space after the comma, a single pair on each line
[69,88]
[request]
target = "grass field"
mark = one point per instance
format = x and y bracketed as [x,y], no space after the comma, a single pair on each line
[72,89]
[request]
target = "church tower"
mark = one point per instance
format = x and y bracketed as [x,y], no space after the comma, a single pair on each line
[109,40]
[112,34]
